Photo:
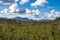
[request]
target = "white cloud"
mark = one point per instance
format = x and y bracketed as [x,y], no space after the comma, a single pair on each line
[28,11]
[36,12]
[13,12]
[16,0]
[24,1]
[53,14]
[39,3]
[10,13]
[6,11]
[13,7]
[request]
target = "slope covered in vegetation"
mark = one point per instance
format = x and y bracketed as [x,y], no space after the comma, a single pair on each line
[14,30]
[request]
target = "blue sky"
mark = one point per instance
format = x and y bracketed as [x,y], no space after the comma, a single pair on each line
[38,7]
[52,3]
[55,4]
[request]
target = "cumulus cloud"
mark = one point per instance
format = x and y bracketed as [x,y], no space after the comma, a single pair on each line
[6,14]
[28,11]
[24,1]
[13,8]
[33,12]
[13,11]
[54,14]
[16,0]
[36,12]
[5,11]
[39,3]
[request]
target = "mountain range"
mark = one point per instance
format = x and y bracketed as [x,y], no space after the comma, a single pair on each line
[23,19]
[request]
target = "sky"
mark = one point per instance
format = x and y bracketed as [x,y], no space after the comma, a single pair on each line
[31,9]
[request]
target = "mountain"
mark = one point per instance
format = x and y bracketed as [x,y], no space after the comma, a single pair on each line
[23,19]
[30,20]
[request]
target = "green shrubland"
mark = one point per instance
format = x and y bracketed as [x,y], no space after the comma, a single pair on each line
[13,30]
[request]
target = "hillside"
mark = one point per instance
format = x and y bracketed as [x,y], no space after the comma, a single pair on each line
[11,29]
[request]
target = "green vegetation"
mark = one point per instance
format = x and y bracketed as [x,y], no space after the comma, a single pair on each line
[13,30]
